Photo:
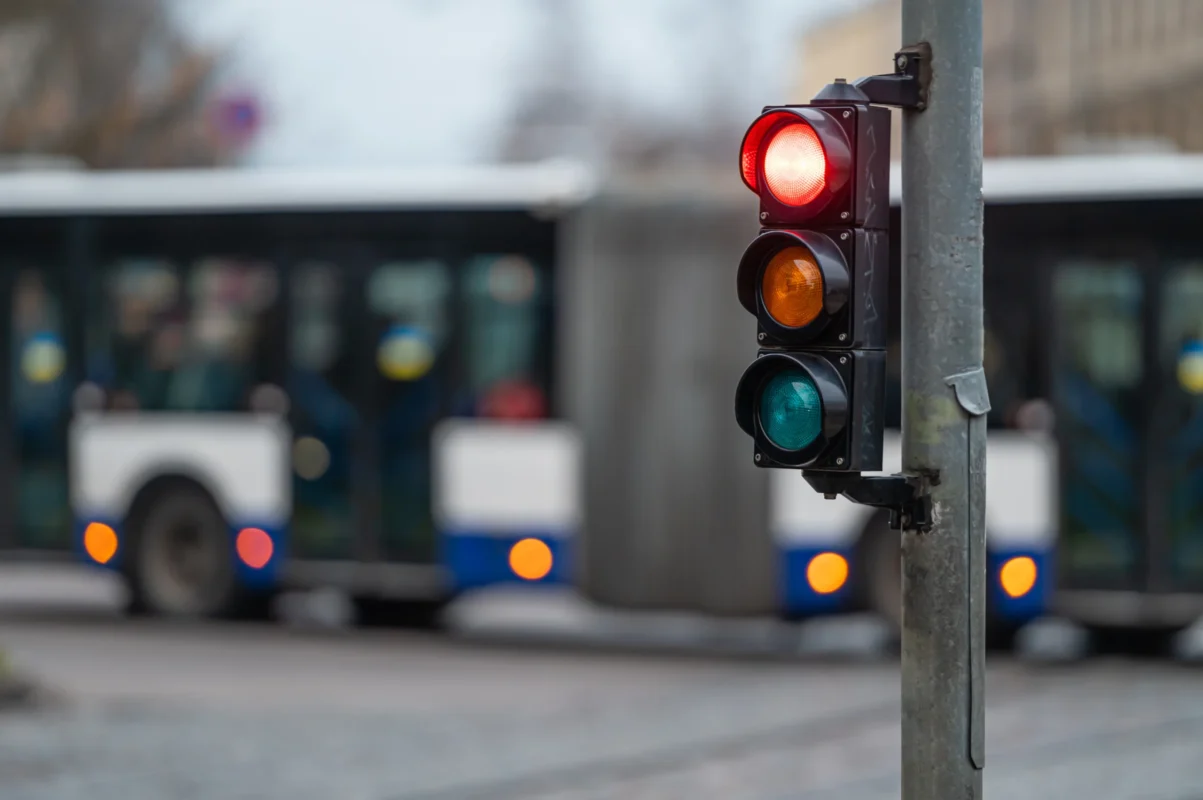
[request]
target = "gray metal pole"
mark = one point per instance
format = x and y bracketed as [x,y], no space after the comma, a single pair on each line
[944,402]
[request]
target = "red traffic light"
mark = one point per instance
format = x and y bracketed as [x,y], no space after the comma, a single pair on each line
[795,165]
[797,159]
[816,279]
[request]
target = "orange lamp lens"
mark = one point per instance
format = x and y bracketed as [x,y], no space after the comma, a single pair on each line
[792,287]
[530,559]
[795,165]
[827,572]
[1018,576]
[100,542]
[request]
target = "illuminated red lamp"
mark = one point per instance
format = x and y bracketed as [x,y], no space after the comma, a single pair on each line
[254,547]
[513,400]
[797,160]
[795,165]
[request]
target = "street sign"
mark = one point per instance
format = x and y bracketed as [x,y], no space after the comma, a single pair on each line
[237,118]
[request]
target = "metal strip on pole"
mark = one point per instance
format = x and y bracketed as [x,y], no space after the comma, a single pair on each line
[944,403]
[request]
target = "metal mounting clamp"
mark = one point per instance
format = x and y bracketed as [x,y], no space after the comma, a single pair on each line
[910,508]
[905,87]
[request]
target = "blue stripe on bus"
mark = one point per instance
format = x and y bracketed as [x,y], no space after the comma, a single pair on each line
[1025,607]
[262,577]
[476,559]
[800,598]
[797,594]
[81,525]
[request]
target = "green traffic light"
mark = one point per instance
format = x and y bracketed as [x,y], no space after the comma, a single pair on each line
[791,412]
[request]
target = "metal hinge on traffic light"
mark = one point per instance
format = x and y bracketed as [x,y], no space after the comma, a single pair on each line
[905,498]
[906,86]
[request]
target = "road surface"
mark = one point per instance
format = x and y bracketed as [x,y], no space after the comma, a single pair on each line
[151,710]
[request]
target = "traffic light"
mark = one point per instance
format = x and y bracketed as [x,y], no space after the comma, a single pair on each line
[816,279]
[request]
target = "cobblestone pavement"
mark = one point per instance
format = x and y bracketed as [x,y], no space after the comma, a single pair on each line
[158,711]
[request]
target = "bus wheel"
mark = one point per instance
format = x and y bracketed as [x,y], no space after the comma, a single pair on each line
[181,562]
[378,612]
[880,553]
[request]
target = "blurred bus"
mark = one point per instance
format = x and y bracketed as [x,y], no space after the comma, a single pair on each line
[1094,360]
[224,383]
[409,386]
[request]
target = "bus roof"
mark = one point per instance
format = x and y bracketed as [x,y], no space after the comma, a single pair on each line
[510,186]
[1084,178]
[543,185]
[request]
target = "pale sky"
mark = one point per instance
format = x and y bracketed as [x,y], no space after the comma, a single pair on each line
[395,82]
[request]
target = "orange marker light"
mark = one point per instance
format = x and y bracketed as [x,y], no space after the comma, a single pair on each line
[1018,576]
[827,572]
[100,542]
[254,547]
[530,559]
[792,287]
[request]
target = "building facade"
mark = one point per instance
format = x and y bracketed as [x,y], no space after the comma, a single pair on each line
[1059,76]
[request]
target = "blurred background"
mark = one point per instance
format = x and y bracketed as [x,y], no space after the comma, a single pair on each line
[368,421]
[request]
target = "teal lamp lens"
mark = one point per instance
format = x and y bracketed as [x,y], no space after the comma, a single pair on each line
[791,412]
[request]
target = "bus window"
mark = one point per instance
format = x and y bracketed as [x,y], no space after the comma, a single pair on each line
[1097,377]
[408,301]
[1182,327]
[39,399]
[325,417]
[504,317]
[1102,323]
[408,314]
[1181,347]
[134,339]
[176,340]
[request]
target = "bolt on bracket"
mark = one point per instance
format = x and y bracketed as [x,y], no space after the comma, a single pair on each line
[901,495]
[905,87]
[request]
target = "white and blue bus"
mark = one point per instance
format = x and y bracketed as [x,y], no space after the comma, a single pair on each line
[1094,361]
[225,383]
[412,385]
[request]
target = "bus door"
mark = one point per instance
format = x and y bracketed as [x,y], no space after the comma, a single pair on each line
[1099,393]
[369,371]
[1128,392]
[1176,462]
[43,341]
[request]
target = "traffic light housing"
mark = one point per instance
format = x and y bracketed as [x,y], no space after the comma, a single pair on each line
[816,279]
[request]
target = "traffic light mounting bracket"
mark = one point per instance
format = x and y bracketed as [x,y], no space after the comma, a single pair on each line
[909,505]
[905,87]
[905,497]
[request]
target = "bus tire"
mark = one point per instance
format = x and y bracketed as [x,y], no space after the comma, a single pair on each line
[181,563]
[379,612]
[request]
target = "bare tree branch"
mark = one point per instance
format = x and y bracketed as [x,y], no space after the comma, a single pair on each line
[111,83]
